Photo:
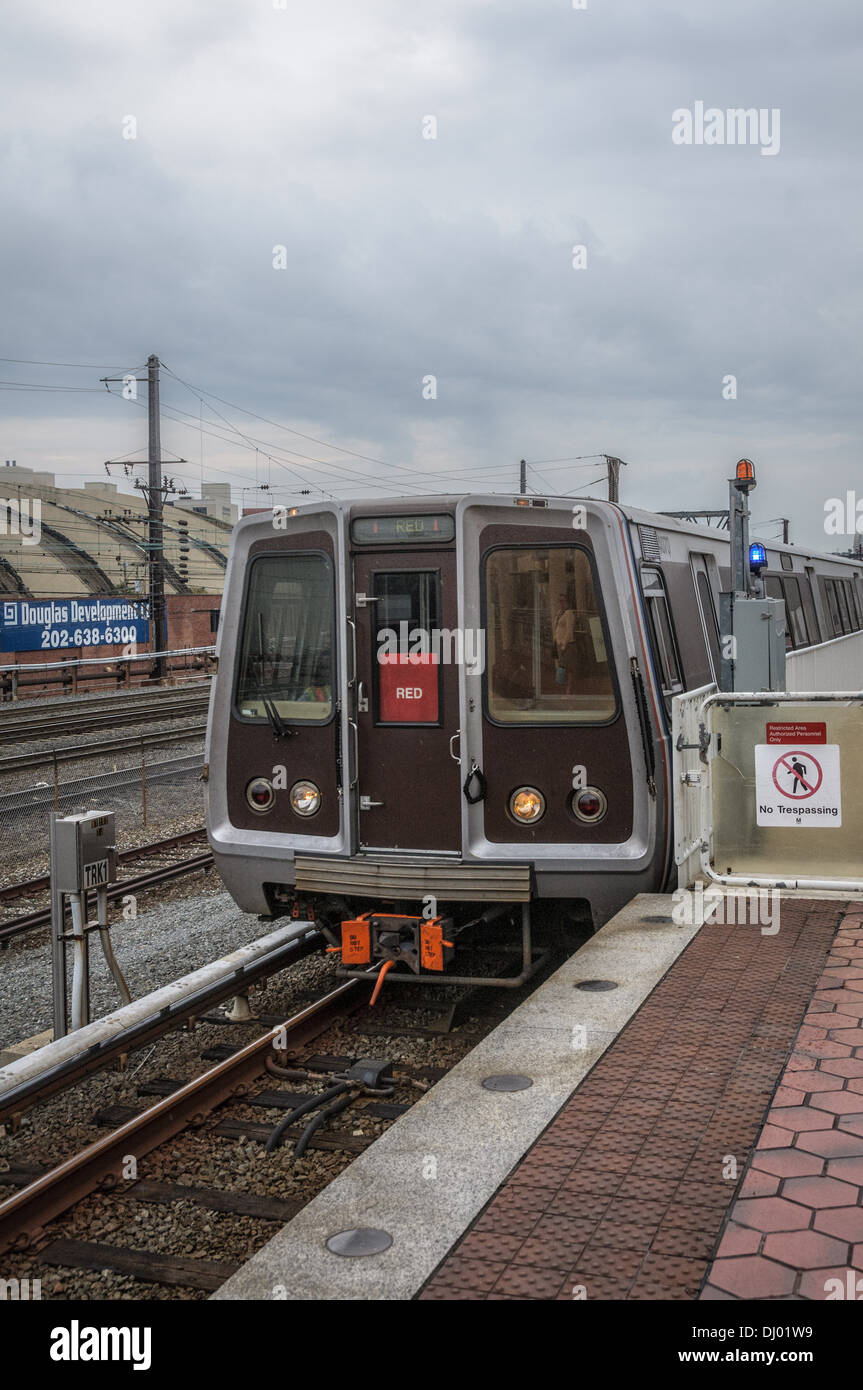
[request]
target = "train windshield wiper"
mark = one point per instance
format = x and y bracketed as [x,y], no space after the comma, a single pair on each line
[277,723]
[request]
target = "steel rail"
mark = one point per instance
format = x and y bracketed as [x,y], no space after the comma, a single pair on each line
[81,752]
[24,729]
[35,885]
[39,1088]
[24,1215]
[42,916]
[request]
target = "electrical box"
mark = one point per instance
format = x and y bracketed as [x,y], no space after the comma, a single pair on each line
[85,852]
[755,659]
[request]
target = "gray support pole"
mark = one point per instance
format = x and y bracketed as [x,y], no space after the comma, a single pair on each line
[155,538]
[58,948]
[522,477]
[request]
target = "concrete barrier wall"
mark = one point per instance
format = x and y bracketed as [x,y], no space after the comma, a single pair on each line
[836,665]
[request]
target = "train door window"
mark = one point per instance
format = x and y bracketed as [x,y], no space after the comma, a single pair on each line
[661,634]
[406,619]
[794,608]
[286,650]
[547,661]
[773,589]
[811,616]
[707,608]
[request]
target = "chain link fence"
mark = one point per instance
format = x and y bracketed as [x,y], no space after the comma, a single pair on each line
[152,783]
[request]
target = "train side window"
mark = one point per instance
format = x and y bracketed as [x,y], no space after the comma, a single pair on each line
[773,589]
[844,605]
[707,605]
[661,634]
[547,661]
[794,608]
[286,650]
[855,604]
[809,608]
[828,593]
[847,586]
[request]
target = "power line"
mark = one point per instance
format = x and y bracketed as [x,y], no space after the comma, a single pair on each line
[83,366]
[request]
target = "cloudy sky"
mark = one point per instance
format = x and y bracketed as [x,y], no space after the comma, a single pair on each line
[300,124]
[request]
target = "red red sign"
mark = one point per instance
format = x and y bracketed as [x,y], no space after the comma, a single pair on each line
[408,689]
[796,733]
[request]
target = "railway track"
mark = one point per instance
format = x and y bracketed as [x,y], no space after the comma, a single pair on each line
[24,1215]
[99,712]
[20,762]
[137,883]
[91,1215]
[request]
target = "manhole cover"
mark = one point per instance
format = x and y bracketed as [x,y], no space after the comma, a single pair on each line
[596,984]
[507,1081]
[365,1240]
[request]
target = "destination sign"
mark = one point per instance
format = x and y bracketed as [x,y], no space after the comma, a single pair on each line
[375,530]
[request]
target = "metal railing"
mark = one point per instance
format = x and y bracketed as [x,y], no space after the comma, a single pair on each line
[691,796]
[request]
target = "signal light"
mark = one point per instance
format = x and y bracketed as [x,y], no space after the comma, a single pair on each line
[757,557]
[745,471]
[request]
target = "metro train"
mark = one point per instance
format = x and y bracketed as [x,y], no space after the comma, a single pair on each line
[436,712]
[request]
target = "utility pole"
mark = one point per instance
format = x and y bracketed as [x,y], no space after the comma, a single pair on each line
[155,490]
[786,524]
[522,477]
[155,538]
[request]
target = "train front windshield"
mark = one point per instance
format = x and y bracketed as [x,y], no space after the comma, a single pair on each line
[286,654]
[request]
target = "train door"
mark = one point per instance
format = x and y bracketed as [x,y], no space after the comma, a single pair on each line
[555,752]
[408,785]
[706,580]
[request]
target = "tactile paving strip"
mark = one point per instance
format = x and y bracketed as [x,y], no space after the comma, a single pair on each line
[796,1226]
[626,1192]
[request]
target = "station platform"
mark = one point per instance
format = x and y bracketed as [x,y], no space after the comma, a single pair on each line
[689,1125]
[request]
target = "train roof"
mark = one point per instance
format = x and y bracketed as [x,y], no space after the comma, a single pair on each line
[638,516]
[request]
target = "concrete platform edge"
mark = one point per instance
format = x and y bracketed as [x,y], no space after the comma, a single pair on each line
[428,1177]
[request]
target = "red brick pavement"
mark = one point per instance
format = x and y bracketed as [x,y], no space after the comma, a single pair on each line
[797,1224]
[626,1192]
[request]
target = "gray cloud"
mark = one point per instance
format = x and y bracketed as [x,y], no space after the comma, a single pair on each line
[259,127]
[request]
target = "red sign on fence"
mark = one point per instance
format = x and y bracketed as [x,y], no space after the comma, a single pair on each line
[797,733]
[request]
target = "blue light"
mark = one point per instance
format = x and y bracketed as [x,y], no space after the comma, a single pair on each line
[757,556]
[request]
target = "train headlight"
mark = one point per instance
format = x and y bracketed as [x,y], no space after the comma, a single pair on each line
[527,805]
[305,798]
[260,795]
[589,805]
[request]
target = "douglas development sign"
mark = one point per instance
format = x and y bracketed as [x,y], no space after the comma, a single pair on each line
[29,625]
